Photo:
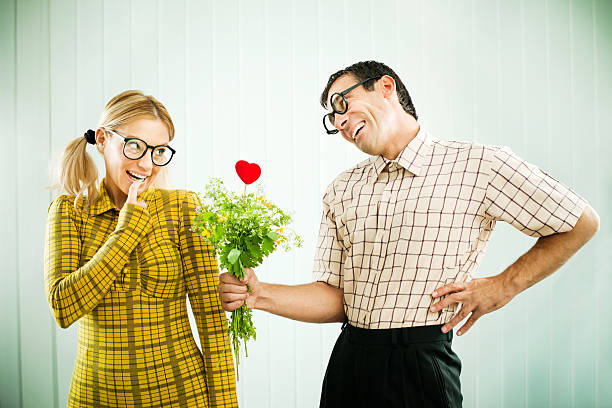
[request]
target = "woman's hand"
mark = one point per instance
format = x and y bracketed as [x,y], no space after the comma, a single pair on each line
[133,194]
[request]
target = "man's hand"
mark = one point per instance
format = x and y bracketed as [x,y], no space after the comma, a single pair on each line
[314,302]
[233,291]
[481,296]
[478,297]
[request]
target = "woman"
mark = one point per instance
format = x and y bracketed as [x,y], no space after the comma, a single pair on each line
[121,260]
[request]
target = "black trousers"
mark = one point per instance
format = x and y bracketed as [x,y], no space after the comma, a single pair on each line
[407,367]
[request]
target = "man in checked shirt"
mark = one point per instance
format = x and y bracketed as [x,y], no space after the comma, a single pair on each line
[401,236]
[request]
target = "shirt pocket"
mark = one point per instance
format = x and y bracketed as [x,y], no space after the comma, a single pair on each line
[161,271]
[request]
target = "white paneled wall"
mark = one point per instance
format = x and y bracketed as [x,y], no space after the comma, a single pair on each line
[242,80]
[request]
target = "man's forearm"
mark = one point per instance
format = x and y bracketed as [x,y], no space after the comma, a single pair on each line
[315,302]
[549,254]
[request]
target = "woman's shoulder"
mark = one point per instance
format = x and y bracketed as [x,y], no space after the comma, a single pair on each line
[173,197]
[67,204]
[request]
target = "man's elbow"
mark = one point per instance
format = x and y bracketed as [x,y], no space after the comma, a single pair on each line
[590,222]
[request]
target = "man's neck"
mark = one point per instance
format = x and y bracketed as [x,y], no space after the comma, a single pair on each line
[406,130]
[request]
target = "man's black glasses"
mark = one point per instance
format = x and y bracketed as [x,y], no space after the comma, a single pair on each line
[339,105]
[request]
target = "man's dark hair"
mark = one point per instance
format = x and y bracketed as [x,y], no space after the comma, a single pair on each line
[372,69]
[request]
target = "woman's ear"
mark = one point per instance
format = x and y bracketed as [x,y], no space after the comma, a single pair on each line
[101,139]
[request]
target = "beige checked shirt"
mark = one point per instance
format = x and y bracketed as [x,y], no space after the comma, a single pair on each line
[392,231]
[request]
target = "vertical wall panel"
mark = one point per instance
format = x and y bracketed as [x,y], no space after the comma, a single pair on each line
[90,63]
[199,96]
[172,87]
[10,341]
[602,307]
[435,54]
[226,86]
[309,136]
[259,111]
[584,180]
[281,188]
[560,130]
[63,105]
[335,47]
[144,45]
[535,89]
[117,56]
[32,138]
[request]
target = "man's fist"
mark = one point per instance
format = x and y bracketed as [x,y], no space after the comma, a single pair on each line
[233,292]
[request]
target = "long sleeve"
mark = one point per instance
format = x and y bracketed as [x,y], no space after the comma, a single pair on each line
[202,277]
[74,291]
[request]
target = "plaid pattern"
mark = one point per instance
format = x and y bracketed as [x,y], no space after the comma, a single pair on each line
[392,231]
[125,276]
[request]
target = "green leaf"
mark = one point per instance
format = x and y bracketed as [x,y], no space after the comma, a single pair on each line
[233,255]
[267,246]
[273,235]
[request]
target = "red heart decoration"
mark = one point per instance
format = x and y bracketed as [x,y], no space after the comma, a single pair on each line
[248,172]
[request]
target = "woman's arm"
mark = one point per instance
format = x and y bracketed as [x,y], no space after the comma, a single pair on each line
[74,291]
[202,276]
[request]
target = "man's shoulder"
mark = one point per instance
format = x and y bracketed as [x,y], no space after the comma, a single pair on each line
[354,173]
[459,146]
[451,151]
[349,177]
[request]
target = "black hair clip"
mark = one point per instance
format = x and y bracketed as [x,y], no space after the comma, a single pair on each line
[90,136]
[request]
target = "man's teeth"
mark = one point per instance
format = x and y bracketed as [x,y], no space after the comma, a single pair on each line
[357,129]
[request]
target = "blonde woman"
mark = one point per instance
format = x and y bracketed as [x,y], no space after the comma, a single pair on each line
[122,258]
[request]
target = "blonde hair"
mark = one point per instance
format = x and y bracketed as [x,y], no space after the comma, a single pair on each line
[78,174]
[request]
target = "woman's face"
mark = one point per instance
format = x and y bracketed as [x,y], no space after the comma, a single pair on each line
[121,172]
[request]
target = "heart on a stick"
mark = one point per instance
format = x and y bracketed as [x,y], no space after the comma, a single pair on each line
[248,172]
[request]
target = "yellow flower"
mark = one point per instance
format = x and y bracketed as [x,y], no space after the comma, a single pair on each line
[206,233]
[221,219]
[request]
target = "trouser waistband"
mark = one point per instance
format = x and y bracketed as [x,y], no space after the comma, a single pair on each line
[403,335]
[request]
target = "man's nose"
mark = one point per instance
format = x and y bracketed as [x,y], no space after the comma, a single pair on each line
[341,120]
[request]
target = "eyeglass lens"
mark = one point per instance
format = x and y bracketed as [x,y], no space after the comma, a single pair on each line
[134,149]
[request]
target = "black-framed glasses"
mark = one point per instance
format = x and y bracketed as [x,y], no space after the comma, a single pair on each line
[339,105]
[134,148]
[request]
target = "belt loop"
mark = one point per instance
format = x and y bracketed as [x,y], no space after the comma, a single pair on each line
[344,324]
[394,337]
[405,339]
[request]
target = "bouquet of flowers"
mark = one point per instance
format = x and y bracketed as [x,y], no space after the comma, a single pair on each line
[242,229]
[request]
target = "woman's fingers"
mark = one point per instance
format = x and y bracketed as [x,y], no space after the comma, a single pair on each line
[133,194]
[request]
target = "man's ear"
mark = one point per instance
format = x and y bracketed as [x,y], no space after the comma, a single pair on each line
[387,85]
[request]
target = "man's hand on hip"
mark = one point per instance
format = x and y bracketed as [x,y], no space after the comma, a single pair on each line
[478,297]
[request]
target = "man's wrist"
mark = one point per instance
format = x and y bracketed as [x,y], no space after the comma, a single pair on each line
[511,282]
[262,299]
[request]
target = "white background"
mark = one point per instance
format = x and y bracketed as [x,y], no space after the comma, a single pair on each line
[241,80]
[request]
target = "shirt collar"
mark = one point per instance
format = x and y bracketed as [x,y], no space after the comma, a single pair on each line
[104,202]
[412,158]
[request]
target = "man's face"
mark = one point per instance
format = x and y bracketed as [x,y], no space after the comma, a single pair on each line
[366,122]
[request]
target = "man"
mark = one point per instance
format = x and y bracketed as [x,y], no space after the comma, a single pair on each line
[401,235]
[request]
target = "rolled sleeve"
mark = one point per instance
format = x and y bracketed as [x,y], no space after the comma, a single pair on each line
[330,253]
[527,198]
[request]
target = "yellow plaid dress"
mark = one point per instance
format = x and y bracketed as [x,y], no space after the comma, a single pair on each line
[125,275]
